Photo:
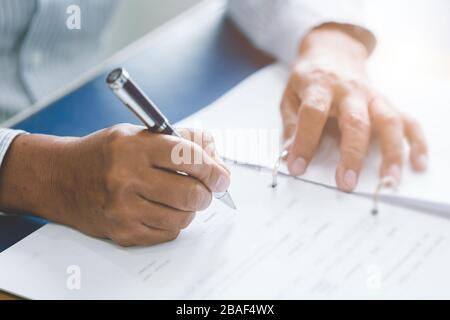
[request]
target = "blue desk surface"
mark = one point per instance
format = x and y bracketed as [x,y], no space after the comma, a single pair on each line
[191,64]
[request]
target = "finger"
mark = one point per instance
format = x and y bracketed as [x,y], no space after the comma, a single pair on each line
[289,106]
[311,119]
[388,125]
[354,124]
[418,144]
[174,190]
[141,235]
[180,155]
[158,216]
[205,140]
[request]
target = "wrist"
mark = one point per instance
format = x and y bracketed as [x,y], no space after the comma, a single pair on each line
[32,175]
[333,44]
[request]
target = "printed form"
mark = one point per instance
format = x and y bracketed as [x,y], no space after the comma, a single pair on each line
[297,241]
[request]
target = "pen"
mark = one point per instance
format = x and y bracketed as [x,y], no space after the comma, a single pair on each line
[120,82]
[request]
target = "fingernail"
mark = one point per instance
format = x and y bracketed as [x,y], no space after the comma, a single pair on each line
[298,167]
[394,172]
[422,162]
[350,179]
[222,184]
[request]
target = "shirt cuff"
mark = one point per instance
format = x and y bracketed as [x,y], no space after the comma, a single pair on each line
[278,26]
[288,44]
[6,138]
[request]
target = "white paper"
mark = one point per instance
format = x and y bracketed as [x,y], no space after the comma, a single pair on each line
[247,127]
[298,241]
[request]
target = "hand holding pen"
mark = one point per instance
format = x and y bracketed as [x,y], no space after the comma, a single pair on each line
[133,97]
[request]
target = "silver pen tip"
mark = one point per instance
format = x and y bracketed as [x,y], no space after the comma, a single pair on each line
[226,198]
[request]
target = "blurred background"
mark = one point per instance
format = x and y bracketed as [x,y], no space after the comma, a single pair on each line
[135,18]
[413,38]
[413,35]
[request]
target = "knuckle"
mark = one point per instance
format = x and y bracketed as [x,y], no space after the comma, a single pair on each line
[321,76]
[357,121]
[125,139]
[355,85]
[117,132]
[318,97]
[113,144]
[118,128]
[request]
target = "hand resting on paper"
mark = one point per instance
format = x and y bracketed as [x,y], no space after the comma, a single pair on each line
[329,81]
[119,183]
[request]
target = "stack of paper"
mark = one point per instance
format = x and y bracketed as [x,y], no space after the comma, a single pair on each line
[247,127]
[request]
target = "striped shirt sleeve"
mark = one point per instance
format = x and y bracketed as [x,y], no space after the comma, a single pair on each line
[278,26]
[6,138]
